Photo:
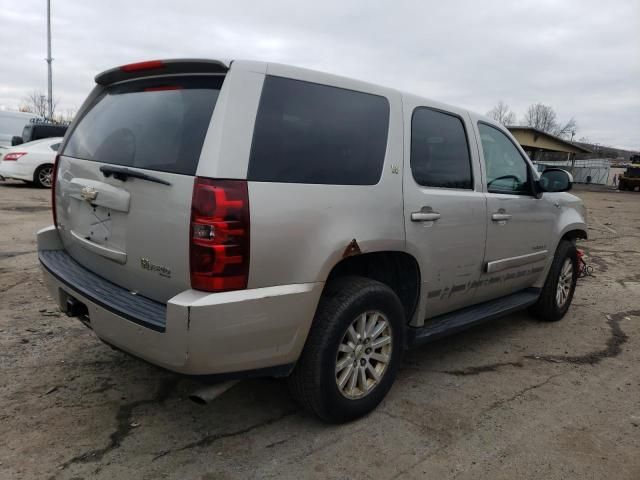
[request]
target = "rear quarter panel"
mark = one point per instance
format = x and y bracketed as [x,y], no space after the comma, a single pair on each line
[300,231]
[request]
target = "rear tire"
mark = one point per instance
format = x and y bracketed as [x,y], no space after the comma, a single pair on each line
[43,176]
[560,285]
[353,350]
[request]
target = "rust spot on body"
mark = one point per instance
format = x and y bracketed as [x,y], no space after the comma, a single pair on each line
[352,249]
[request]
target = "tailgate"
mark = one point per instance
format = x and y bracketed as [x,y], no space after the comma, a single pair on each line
[125,181]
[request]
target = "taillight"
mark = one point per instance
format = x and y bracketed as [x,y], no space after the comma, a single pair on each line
[54,177]
[13,156]
[136,67]
[219,235]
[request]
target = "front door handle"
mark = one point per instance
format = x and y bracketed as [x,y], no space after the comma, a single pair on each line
[500,217]
[424,216]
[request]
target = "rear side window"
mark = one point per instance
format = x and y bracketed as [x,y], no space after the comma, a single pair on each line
[439,150]
[311,133]
[152,124]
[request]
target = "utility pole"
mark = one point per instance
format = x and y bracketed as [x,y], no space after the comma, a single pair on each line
[49,60]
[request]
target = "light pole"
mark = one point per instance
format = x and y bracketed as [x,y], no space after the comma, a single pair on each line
[49,60]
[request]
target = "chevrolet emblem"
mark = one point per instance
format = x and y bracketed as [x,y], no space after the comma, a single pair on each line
[89,194]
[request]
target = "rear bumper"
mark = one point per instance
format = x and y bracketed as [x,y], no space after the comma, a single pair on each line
[195,332]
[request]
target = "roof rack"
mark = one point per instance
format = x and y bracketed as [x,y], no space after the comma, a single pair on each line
[46,121]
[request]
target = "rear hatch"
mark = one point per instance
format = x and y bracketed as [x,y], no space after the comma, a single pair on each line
[126,174]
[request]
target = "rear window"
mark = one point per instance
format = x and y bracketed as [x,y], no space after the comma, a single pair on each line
[311,133]
[151,124]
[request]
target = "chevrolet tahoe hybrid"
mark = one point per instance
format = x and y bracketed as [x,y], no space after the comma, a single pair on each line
[247,218]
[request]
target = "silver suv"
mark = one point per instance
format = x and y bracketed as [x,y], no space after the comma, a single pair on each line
[251,218]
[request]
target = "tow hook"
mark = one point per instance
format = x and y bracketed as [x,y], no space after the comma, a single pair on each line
[74,308]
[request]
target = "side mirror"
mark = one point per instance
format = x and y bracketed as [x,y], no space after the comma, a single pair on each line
[15,140]
[555,180]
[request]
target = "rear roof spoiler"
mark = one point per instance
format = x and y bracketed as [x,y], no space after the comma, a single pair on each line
[160,67]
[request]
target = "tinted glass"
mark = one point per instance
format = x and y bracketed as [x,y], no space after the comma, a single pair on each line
[27,131]
[310,133]
[45,131]
[152,124]
[439,150]
[507,170]
[555,180]
[55,146]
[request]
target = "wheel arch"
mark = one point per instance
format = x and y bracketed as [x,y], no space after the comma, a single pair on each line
[570,233]
[398,270]
[574,233]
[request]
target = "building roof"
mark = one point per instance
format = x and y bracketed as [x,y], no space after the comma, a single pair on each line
[537,139]
[581,163]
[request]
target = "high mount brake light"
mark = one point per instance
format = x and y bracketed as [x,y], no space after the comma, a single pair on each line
[13,156]
[136,67]
[219,235]
[162,88]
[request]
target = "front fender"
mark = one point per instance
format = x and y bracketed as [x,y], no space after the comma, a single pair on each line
[572,221]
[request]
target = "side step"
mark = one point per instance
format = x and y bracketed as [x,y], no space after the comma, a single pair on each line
[464,318]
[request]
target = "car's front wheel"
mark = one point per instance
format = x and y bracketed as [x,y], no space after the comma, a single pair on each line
[560,284]
[43,176]
[353,350]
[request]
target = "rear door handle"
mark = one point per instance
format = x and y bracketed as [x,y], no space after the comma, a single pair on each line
[424,216]
[500,217]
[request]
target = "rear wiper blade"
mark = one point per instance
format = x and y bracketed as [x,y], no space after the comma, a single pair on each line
[122,173]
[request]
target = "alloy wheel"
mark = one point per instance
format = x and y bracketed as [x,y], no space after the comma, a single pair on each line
[45,176]
[363,355]
[565,282]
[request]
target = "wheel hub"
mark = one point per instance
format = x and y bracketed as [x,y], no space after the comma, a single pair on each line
[565,282]
[363,355]
[45,176]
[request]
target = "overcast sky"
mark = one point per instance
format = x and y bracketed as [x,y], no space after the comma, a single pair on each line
[580,56]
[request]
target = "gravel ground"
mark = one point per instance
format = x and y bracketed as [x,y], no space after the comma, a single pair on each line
[512,399]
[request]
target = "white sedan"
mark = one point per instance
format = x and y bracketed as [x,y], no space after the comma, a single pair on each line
[31,162]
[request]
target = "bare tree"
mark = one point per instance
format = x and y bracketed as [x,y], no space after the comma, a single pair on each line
[567,130]
[501,113]
[541,117]
[36,102]
[66,116]
[544,118]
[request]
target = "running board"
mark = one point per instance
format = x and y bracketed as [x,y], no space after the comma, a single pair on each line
[464,318]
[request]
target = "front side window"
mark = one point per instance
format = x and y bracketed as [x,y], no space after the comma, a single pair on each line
[311,133]
[439,150]
[506,170]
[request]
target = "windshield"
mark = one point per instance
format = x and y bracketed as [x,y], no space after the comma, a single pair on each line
[157,124]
